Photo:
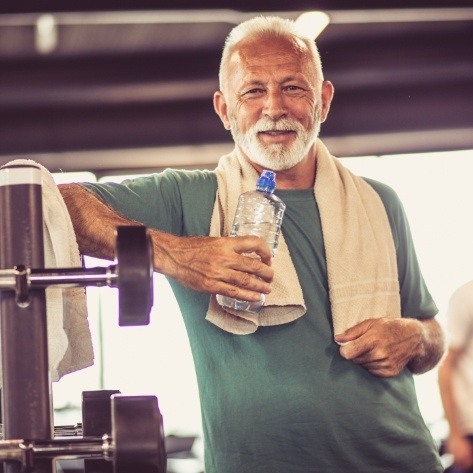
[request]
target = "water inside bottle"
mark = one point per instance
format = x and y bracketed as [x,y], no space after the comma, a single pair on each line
[268,231]
[237,304]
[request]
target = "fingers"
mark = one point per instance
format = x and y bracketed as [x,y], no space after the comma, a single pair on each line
[246,266]
[232,266]
[354,332]
[246,276]
[381,369]
[376,359]
[252,244]
[245,262]
[380,348]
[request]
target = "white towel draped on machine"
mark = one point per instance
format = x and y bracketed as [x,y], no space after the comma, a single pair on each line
[69,338]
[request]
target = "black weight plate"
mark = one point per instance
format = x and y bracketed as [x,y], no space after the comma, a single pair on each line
[134,254]
[96,412]
[138,435]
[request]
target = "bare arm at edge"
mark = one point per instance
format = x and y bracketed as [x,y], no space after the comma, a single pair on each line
[457,443]
[205,264]
[447,391]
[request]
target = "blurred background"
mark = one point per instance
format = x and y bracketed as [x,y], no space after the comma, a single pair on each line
[78,84]
[103,90]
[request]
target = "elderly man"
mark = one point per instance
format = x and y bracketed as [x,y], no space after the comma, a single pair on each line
[321,379]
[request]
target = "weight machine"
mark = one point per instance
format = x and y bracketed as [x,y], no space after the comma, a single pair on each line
[128,430]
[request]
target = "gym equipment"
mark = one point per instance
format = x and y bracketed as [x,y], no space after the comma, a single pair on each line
[133,275]
[134,442]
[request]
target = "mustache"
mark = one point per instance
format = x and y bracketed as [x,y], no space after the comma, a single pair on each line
[283,124]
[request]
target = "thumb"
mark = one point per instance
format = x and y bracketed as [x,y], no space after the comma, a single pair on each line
[353,332]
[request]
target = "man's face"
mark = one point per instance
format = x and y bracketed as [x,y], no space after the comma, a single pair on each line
[274,107]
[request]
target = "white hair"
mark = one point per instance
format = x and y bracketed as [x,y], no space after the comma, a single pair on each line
[259,27]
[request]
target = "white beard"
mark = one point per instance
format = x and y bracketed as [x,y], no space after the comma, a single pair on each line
[277,157]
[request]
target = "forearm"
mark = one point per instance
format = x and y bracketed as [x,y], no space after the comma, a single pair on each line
[94,222]
[430,348]
[447,395]
[205,264]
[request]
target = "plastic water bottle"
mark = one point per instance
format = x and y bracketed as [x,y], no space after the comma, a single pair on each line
[258,213]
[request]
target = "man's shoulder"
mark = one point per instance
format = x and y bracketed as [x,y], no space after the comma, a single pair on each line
[189,175]
[167,181]
[191,184]
[384,190]
[387,194]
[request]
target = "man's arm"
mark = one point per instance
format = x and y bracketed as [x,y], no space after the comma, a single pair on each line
[386,346]
[458,444]
[205,264]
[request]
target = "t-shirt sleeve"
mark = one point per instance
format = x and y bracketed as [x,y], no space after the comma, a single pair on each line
[416,300]
[178,202]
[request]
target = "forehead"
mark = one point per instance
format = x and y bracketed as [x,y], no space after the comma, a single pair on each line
[270,53]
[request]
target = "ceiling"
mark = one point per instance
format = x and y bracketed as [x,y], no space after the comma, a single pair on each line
[103,88]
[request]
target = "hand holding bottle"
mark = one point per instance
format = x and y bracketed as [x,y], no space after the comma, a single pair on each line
[258,213]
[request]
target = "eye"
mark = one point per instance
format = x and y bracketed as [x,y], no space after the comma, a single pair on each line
[254,91]
[293,88]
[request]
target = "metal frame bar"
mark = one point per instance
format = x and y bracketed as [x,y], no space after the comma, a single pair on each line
[26,399]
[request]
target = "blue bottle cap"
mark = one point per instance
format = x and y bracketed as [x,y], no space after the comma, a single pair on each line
[266,182]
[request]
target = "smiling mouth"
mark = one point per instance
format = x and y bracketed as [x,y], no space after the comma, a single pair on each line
[276,132]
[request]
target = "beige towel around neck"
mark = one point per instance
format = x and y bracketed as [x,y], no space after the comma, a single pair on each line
[69,339]
[359,249]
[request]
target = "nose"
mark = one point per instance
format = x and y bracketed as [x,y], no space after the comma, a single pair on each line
[274,106]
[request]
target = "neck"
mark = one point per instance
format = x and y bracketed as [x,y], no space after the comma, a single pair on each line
[298,177]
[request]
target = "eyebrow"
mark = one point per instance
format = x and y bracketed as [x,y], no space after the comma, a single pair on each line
[291,78]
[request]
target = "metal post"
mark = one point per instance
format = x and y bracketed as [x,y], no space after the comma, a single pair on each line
[26,399]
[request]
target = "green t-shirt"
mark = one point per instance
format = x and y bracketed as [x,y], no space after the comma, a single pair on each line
[283,400]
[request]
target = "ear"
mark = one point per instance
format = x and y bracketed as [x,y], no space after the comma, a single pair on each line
[220,107]
[327,95]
